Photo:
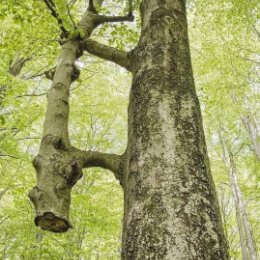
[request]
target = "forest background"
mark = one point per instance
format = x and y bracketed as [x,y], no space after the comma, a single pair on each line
[224,39]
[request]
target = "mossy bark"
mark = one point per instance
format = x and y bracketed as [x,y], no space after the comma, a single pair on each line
[171,210]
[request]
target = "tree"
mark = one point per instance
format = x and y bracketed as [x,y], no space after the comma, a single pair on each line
[226,73]
[171,210]
[245,234]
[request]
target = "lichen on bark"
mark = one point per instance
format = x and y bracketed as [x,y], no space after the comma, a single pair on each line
[171,210]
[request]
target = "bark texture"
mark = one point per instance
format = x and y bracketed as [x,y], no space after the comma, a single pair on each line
[58,164]
[171,209]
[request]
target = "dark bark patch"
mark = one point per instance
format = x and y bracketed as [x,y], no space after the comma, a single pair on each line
[75,73]
[72,173]
[59,144]
[48,221]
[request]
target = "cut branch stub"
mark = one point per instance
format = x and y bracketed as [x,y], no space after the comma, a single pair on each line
[51,197]
[50,214]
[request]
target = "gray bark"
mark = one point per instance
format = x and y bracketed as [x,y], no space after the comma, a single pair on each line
[58,164]
[171,210]
[170,205]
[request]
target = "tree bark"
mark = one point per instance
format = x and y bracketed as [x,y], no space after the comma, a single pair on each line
[58,164]
[170,205]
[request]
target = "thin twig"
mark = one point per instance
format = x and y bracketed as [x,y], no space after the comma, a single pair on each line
[31,95]
[8,155]
[70,16]
[54,13]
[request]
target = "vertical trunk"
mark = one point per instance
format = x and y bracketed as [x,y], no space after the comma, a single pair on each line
[235,199]
[242,211]
[53,164]
[253,134]
[245,235]
[171,210]
[57,165]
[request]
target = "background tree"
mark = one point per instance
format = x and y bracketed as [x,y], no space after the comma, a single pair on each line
[228,81]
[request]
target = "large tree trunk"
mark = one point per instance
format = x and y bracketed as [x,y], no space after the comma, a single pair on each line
[170,206]
[171,209]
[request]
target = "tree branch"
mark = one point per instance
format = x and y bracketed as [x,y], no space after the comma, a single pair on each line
[2,193]
[49,74]
[14,69]
[32,95]
[112,162]
[91,7]
[104,160]
[70,16]
[108,53]
[17,66]
[130,7]
[8,155]
[51,6]
[110,19]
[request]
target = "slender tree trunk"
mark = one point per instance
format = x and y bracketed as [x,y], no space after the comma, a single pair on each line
[242,210]
[245,235]
[253,134]
[170,205]
[251,127]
